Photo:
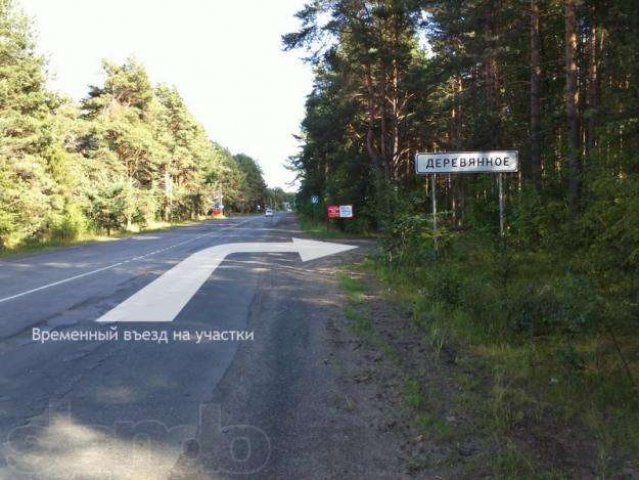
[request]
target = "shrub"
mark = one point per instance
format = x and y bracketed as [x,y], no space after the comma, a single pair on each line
[70,226]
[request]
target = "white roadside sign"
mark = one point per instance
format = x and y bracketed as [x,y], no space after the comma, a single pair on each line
[346,211]
[467,162]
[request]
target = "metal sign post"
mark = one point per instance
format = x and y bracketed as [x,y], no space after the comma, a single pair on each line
[501,200]
[434,212]
[315,199]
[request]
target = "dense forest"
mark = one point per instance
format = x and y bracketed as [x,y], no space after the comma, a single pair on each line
[129,154]
[555,80]
[557,297]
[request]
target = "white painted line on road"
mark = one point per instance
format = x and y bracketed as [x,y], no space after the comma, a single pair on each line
[49,285]
[164,298]
[108,267]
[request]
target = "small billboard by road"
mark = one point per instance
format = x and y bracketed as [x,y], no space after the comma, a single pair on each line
[340,211]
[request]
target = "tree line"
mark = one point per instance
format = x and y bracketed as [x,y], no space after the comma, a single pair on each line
[128,154]
[554,79]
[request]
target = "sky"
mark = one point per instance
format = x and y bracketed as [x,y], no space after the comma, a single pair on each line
[224,56]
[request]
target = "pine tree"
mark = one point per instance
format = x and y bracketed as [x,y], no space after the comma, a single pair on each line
[27,141]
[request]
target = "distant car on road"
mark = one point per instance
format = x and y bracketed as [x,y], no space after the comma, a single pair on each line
[268,212]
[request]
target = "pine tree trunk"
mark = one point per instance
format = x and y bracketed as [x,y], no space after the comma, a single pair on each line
[374,155]
[535,139]
[571,39]
[592,101]
[129,218]
[493,70]
[167,196]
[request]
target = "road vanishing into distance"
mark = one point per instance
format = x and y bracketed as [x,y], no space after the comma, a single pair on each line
[228,387]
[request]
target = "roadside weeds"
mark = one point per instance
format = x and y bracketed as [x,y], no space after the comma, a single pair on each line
[464,413]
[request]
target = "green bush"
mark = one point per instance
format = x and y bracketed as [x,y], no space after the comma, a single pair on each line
[7,226]
[107,209]
[409,241]
[70,226]
[147,208]
[447,286]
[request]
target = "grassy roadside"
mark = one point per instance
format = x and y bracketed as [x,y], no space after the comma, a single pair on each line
[324,230]
[516,363]
[435,397]
[21,248]
[494,405]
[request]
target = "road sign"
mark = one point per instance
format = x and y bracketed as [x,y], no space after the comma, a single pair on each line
[340,211]
[346,211]
[333,211]
[495,161]
[164,298]
[315,199]
[467,162]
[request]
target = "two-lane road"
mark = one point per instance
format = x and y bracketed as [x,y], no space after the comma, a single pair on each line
[73,408]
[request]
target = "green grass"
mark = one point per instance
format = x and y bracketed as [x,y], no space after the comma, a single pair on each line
[353,287]
[413,394]
[545,356]
[533,360]
[324,229]
[434,426]
[360,323]
[355,310]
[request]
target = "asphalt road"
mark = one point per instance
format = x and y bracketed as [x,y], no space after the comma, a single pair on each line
[154,410]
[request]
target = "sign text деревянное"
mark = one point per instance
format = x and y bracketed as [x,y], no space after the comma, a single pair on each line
[467,162]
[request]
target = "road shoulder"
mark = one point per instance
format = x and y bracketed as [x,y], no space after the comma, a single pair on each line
[303,391]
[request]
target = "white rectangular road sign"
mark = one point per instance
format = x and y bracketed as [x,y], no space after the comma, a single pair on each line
[467,162]
[346,211]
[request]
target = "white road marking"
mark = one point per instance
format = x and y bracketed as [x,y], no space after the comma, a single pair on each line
[108,267]
[164,298]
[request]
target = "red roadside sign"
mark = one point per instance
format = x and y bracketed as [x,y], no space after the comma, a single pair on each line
[333,211]
[340,211]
